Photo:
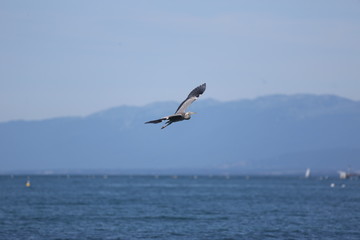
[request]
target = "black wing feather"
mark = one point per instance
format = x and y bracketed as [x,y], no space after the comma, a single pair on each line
[196,92]
[156,121]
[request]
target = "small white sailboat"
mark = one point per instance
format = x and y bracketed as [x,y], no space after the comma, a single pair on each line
[343,175]
[307,173]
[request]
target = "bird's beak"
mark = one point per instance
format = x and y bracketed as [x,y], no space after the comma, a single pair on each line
[193,113]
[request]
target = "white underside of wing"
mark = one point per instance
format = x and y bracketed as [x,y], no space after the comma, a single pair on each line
[186,104]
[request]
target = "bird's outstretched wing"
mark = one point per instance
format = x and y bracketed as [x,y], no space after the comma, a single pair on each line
[157,120]
[174,118]
[194,94]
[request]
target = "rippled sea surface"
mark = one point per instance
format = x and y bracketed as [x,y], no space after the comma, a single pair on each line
[186,207]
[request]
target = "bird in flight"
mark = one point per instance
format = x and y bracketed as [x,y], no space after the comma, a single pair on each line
[180,113]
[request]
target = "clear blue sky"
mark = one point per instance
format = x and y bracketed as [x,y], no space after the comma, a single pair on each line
[61,58]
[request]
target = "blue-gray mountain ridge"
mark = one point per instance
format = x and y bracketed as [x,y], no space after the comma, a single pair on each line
[271,134]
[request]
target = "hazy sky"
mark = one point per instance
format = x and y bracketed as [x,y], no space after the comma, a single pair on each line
[61,58]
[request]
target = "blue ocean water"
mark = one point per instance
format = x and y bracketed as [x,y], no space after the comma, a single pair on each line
[148,207]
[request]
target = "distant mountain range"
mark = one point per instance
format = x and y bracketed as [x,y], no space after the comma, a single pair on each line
[271,134]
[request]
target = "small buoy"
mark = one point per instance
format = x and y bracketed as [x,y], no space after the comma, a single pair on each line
[28,183]
[332,185]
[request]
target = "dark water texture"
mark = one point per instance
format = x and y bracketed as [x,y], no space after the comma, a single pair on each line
[145,207]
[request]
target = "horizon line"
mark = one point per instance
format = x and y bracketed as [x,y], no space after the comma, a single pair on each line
[170,101]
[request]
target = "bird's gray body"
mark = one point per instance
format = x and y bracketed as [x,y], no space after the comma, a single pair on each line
[180,113]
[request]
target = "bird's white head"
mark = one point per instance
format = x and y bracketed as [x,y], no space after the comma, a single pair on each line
[188,115]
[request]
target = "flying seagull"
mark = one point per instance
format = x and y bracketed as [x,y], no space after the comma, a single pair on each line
[180,113]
